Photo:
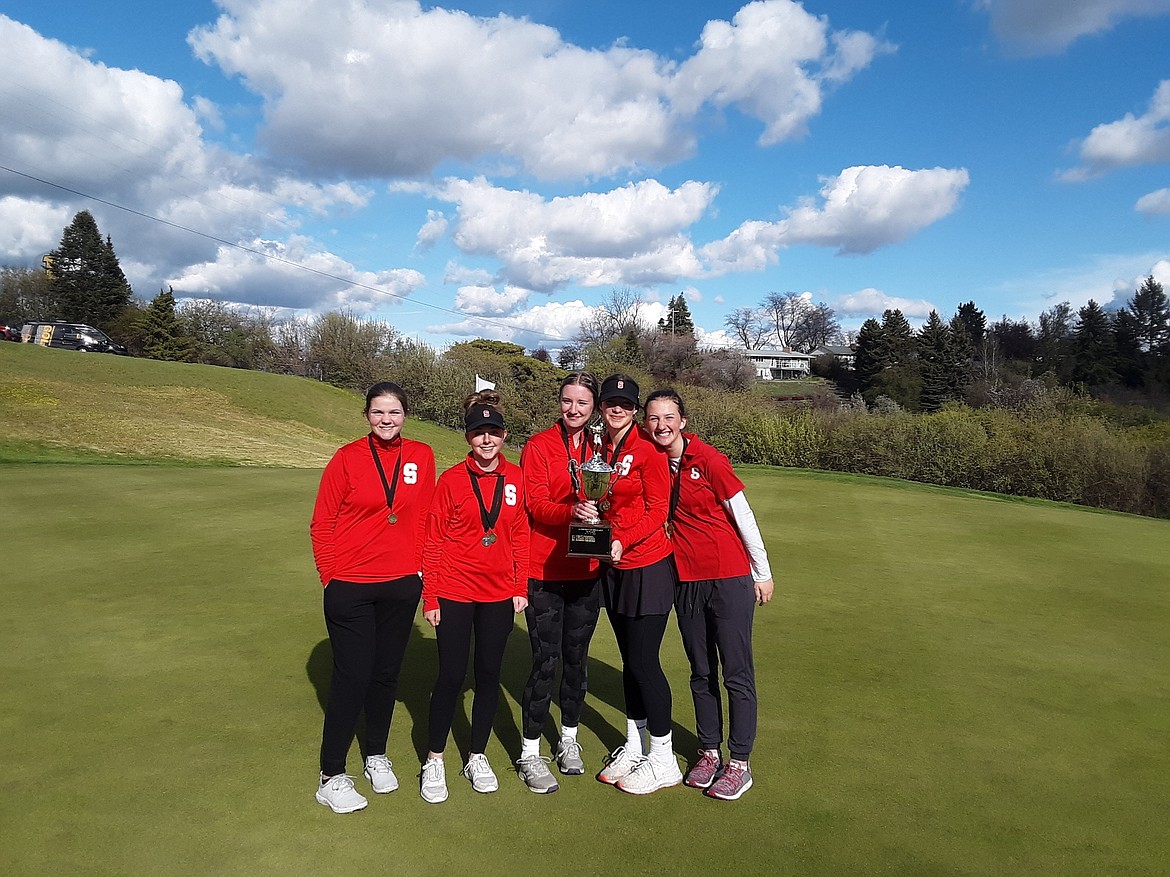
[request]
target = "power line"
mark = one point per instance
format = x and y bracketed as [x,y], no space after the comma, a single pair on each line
[488,321]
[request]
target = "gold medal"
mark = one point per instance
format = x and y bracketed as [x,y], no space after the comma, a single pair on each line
[392,518]
[489,539]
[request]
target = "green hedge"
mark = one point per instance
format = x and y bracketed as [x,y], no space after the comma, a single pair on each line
[1044,453]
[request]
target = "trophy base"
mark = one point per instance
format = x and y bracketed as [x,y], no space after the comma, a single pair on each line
[590,540]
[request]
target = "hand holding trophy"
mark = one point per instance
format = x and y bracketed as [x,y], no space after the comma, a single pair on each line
[591,538]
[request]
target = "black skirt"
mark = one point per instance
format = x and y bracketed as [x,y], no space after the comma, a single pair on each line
[647,590]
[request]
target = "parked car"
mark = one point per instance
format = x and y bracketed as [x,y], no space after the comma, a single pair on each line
[71,336]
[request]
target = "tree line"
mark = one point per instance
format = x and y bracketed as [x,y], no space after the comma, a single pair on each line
[1014,407]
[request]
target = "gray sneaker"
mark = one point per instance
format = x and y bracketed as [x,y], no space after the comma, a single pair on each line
[569,757]
[536,775]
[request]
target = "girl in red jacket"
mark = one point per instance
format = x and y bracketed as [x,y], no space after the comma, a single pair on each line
[638,590]
[564,600]
[724,573]
[367,534]
[475,578]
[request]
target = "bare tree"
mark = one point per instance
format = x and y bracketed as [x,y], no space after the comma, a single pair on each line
[620,313]
[725,370]
[817,326]
[784,313]
[748,327]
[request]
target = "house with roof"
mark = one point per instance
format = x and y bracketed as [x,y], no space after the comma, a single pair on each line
[774,364]
[842,354]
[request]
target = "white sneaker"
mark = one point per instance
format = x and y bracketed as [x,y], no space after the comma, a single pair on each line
[619,763]
[338,794]
[650,775]
[380,773]
[480,773]
[433,781]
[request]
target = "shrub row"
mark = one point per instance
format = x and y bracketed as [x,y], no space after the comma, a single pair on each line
[1077,459]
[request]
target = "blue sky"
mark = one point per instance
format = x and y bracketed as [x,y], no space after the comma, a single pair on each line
[495,169]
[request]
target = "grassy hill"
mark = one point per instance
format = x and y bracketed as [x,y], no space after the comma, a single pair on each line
[950,683]
[61,406]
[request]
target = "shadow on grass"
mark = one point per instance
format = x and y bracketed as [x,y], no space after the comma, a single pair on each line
[418,675]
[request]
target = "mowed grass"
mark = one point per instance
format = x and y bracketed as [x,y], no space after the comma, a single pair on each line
[64,406]
[949,684]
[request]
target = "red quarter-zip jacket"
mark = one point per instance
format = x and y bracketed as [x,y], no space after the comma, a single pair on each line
[352,538]
[549,497]
[456,564]
[640,500]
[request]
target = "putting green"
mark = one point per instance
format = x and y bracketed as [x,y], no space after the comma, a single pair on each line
[949,683]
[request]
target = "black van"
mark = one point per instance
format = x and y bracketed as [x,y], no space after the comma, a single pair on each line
[71,336]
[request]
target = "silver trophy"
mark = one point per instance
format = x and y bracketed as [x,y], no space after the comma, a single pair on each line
[592,538]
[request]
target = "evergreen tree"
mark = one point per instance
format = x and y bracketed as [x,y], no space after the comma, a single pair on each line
[1152,316]
[962,356]
[936,362]
[1054,341]
[899,337]
[86,279]
[678,320]
[871,356]
[1129,361]
[1093,350]
[161,332]
[974,323]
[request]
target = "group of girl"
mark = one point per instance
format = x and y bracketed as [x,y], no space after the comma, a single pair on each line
[490,539]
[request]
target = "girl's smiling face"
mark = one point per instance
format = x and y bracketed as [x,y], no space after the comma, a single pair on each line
[386,415]
[618,414]
[486,443]
[665,424]
[576,406]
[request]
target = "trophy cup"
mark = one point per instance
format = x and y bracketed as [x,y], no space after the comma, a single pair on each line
[592,538]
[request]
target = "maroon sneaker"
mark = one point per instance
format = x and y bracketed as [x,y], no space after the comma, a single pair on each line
[704,772]
[733,781]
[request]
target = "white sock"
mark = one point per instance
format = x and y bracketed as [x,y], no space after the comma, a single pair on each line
[530,747]
[661,748]
[636,736]
[568,733]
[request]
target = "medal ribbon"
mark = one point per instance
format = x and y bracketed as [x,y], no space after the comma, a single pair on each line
[676,487]
[574,464]
[390,487]
[617,451]
[488,519]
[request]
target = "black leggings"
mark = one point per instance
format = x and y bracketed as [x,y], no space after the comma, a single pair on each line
[561,619]
[491,623]
[369,625]
[639,639]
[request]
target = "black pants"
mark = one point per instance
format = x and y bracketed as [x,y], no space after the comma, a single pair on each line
[369,625]
[561,619]
[715,620]
[639,639]
[491,624]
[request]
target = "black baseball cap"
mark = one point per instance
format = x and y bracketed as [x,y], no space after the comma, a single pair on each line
[619,387]
[482,415]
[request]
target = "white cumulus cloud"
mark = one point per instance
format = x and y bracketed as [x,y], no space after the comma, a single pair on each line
[1155,203]
[388,88]
[1131,140]
[873,302]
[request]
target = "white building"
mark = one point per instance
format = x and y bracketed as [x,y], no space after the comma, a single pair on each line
[773,364]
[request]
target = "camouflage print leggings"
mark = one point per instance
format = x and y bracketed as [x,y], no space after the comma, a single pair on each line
[561,619]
